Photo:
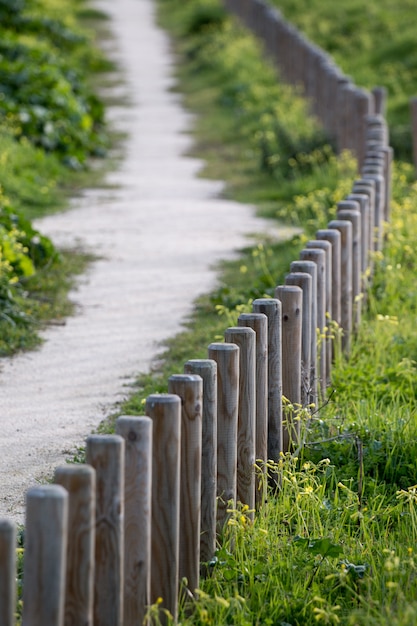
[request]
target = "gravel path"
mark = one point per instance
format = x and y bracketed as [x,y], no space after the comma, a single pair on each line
[158,231]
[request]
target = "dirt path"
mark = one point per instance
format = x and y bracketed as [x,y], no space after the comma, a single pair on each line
[158,231]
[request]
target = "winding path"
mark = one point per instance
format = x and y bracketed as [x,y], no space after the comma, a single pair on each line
[157,228]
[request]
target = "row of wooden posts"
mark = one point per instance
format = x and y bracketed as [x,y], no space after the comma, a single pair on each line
[132,526]
[340,105]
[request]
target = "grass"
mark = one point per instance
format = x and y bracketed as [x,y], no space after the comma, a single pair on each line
[373,43]
[336,545]
[52,140]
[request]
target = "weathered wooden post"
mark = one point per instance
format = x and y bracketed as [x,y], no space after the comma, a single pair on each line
[364,106]
[363,203]
[7,572]
[333,237]
[304,281]
[367,187]
[80,482]
[226,356]
[106,454]
[137,435]
[345,229]
[318,257]
[291,298]
[207,369]
[326,246]
[380,100]
[272,309]
[379,206]
[189,387]
[413,107]
[245,339]
[165,412]
[259,323]
[383,156]
[309,267]
[45,556]
[349,210]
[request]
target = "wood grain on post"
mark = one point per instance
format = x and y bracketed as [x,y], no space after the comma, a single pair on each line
[245,339]
[259,323]
[304,281]
[272,309]
[189,387]
[379,207]
[310,267]
[106,454]
[45,556]
[347,116]
[334,238]
[367,187]
[165,412]
[383,156]
[326,246]
[345,229]
[226,356]
[291,298]
[413,108]
[207,369]
[363,204]
[364,106]
[137,435]
[7,572]
[80,482]
[319,258]
[346,211]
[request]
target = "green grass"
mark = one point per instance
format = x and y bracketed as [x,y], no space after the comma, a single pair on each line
[51,132]
[372,42]
[336,545]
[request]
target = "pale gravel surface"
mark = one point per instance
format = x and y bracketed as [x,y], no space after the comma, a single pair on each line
[158,231]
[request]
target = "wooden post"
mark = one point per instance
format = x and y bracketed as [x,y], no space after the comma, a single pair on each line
[106,454]
[413,107]
[245,339]
[304,281]
[319,258]
[379,207]
[259,323]
[348,210]
[345,229]
[137,435]
[383,156]
[226,356]
[80,482]
[45,556]
[326,246]
[309,267]
[363,205]
[333,237]
[207,369]
[291,298]
[7,572]
[364,106]
[380,100]
[272,309]
[165,412]
[367,187]
[189,387]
